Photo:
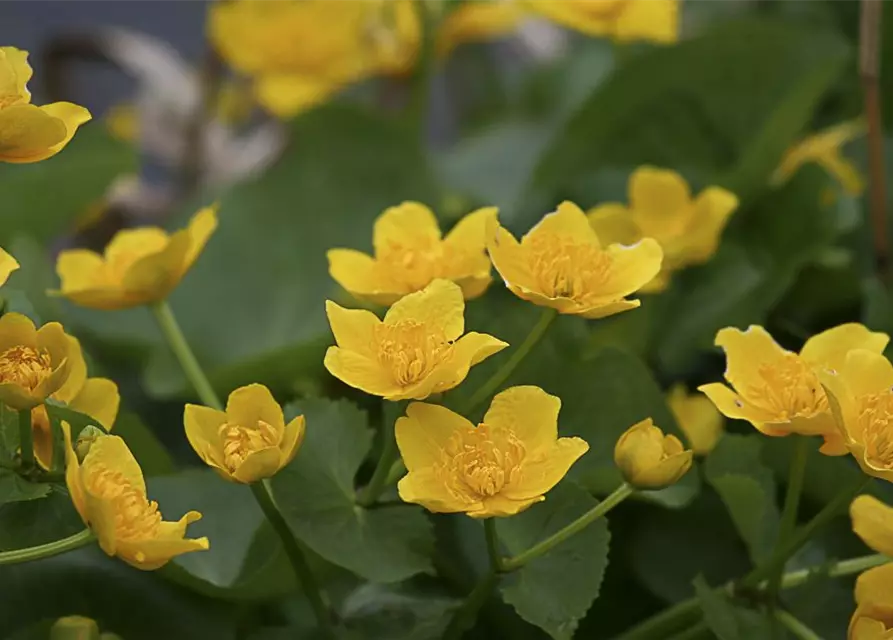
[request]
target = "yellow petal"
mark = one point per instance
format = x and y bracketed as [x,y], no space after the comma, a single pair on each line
[470,233]
[15,72]
[287,95]
[501,506]
[731,405]
[27,133]
[354,329]
[604,310]
[258,464]
[152,554]
[633,267]
[528,412]
[251,404]
[201,227]
[73,475]
[613,223]
[466,352]
[697,417]
[652,20]
[72,116]
[359,274]
[154,276]
[867,372]
[440,306]
[845,172]
[292,438]
[410,224]
[8,264]
[541,473]
[591,18]
[713,207]
[658,197]
[474,347]
[112,452]
[745,352]
[16,330]
[129,245]
[77,372]
[510,260]
[873,522]
[828,349]
[424,487]
[202,425]
[361,373]
[99,399]
[424,433]
[475,286]
[864,628]
[568,221]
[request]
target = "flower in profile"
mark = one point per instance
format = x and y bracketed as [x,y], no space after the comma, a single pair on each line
[825,149]
[620,20]
[561,264]
[779,391]
[410,253]
[34,363]
[498,468]
[140,266]
[109,493]
[29,133]
[698,418]
[8,264]
[418,349]
[873,618]
[249,441]
[648,459]
[661,207]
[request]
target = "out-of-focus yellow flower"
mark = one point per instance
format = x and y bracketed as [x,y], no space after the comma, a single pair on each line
[661,207]
[873,522]
[410,253]
[648,459]
[29,133]
[123,123]
[34,363]
[697,417]
[825,149]
[109,493]
[498,468]
[779,391]
[621,20]
[416,351]
[873,618]
[561,264]
[861,395]
[248,442]
[476,20]
[8,264]
[140,266]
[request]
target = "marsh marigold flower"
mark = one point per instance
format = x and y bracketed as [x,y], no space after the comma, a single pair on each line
[873,522]
[140,266]
[561,264]
[648,459]
[8,264]
[29,133]
[418,349]
[249,441]
[661,207]
[778,391]
[621,20]
[410,253]
[826,149]
[109,493]
[34,363]
[873,618]
[498,468]
[698,418]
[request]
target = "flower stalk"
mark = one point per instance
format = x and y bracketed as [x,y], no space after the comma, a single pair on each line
[382,475]
[791,505]
[47,550]
[465,615]
[26,439]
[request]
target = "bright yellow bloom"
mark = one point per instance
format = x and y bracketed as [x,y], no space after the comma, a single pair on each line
[697,417]
[140,266]
[873,522]
[825,149]
[661,207]
[648,459]
[8,264]
[34,363]
[873,618]
[498,468]
[250,440]
[621,20]
[410,253]
[416,351]
[29,133]
[109,493]
[861,394]
[778,391]
[561,264]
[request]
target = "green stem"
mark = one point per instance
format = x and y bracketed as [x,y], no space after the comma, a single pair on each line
[492,544]
[620,494]
[796,627]
[386,461]
[465,615]
[501,375]
[398,470]
[791,505]
[665,622]
[177,342]
[426,67]
[26,439]
[837,570]
[698,630]
[47,550]
[303,573]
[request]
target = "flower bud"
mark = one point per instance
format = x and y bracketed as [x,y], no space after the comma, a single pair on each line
[648,459]
[74,628]
[85,440]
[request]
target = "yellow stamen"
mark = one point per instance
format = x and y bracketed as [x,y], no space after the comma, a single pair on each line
[790,389]
[239,441]
[566,269]
[25,366]
[479,463]
[410,350]
[136,517]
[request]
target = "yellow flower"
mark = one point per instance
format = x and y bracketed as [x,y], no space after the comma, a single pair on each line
[779,391]
[648,459]
[825,149]
[416,351]
[29,133]
[861,395]
[34,363]
[661,207]
[472,21]
[109,493]
[561,264]
[621,20]
[250,440]
[873,522]
[873,618]
[697,417]
[8,264]
[140,266]
[410,254]
[498,468]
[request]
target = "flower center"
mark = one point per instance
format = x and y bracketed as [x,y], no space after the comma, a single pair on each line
[136,517]
[876,426]
[567,269]
[790,388]
[25,366]
[410,350]
[239,441]
[413,267]
[480,463]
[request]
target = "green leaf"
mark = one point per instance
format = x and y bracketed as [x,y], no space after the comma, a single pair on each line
[728,621]
[556,590]
[14,488]
[388,612]
[316,494]
[36,522]
[747,487]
